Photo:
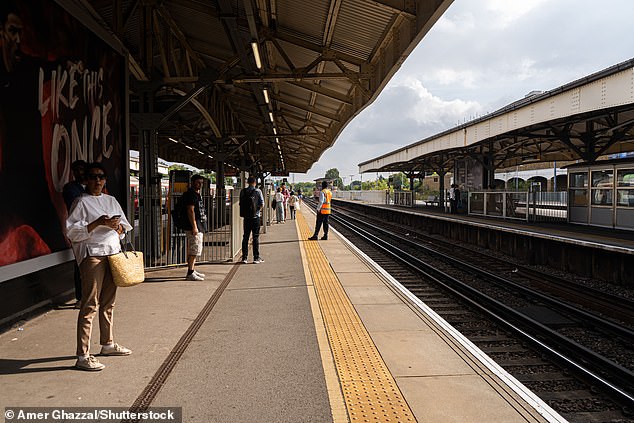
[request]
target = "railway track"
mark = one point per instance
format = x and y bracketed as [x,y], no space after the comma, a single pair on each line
[578,361]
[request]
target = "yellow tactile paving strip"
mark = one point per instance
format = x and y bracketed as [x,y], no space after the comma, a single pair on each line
[369,390]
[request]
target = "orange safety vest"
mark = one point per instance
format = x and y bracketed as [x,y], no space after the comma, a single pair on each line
[325,208]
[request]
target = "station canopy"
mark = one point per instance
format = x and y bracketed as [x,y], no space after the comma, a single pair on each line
[584,120]
[263,85]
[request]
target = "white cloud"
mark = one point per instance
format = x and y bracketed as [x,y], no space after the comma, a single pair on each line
[507,12]
[480,56]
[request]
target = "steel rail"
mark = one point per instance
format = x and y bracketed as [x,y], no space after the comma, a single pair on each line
[562,348]
[500,281]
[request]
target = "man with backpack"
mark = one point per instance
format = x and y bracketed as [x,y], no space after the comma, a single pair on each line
[195,224]
[251,204]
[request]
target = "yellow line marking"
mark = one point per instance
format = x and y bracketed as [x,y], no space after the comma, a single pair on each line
[337,405]
[369,390]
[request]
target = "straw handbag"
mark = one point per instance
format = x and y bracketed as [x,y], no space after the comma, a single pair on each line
[127,267]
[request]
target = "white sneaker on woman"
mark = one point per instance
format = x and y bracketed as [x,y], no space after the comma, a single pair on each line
[89,363]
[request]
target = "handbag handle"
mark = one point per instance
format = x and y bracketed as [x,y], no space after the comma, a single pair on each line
[124,249]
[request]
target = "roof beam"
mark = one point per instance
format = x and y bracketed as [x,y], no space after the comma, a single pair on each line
[326,52]
[405,7]
[335,95]
[296,77]
[308,108]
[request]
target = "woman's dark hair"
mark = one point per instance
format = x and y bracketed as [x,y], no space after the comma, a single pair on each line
[95,165]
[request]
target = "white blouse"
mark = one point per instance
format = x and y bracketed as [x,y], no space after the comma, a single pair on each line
[102,241]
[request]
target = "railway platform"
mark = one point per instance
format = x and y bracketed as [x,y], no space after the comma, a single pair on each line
[316,333]
[587,251]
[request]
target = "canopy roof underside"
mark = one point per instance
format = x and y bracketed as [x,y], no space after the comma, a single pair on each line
[320,62]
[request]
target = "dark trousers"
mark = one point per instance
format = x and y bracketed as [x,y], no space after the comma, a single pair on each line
[321,219]
[251,226]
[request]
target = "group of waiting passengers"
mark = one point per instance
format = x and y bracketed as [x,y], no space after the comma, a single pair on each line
[286,203]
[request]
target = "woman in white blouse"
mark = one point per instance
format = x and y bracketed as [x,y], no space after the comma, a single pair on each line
[95,226]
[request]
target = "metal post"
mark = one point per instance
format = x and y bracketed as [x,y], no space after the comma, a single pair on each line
[149,204]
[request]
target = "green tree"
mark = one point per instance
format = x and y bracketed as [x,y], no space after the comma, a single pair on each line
[334,175]
[399,181]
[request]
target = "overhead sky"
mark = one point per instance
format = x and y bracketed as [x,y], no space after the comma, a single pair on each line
[479,56]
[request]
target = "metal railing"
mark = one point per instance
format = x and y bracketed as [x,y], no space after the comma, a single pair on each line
[165,245]
[549,206]
[402,198]
[534,206]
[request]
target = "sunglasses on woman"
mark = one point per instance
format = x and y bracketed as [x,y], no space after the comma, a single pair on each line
[96,176]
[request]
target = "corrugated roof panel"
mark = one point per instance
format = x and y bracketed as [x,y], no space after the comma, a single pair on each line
[327,105]
[299,55]
[202,28]
[359,27]
[305,19]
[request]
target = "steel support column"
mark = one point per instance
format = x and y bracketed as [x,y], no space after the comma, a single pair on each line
[150,198]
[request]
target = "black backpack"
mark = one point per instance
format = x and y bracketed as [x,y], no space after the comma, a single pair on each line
[248,203]
[179,215]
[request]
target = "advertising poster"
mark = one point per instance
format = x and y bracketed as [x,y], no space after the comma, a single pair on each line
[61,99]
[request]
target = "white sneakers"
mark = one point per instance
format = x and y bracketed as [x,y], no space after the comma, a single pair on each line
[115,349]
[89,363]
[194,277]
[255,261]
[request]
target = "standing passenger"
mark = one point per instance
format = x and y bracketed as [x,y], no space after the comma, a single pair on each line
[279,206]
[251,223]
[71,192]
[95,227]
[323,211]
[293,204]
[452,199]
[197,218]
[286,196]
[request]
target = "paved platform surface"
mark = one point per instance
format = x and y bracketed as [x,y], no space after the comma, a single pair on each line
[260,354]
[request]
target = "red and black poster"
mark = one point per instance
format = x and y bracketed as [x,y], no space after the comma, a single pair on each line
[62,98]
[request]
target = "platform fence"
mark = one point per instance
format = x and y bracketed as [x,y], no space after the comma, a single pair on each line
[165,245]
[534,206]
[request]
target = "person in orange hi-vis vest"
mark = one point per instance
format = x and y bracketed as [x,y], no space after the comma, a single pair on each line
[323,211]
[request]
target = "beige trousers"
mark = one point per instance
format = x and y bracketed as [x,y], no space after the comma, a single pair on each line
[98,293]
